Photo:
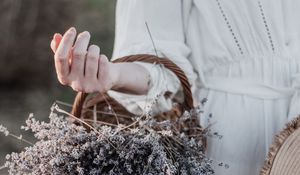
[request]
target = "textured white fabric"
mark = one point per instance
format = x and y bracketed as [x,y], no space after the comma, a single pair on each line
[243,56]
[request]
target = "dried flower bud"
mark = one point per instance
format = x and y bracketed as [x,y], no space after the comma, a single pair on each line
[4,130]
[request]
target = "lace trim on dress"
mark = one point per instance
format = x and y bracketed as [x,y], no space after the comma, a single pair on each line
[266,25]
[229,27]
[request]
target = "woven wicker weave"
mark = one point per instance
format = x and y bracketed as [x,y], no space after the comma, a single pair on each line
[284,154]
[102,107]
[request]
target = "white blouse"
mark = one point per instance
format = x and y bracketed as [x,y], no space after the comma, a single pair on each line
[242,55]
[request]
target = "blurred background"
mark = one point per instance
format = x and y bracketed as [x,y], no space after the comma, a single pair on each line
[28,82]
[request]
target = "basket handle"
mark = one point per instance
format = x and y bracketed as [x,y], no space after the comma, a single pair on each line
[188,98]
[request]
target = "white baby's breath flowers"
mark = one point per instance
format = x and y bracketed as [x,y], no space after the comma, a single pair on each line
[4,130]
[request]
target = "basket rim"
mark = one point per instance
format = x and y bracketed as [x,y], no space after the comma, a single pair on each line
[188,103]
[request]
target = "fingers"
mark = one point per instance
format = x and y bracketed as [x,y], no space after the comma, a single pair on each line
[55,41]
[80,66]
[66,42]
[62,55]
[79,54]
[102,74]
[92,59]
[102,67]
[52,46]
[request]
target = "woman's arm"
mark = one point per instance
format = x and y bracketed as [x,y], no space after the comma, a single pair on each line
[83,68]
[165,20]
[132,79]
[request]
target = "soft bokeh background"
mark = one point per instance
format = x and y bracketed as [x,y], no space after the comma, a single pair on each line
[28,82]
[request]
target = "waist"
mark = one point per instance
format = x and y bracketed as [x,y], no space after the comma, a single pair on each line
[252,87]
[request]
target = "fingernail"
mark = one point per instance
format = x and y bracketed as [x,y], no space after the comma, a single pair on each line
[87,33]
[72,29]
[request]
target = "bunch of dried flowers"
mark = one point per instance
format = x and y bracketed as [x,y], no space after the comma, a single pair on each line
[67,148]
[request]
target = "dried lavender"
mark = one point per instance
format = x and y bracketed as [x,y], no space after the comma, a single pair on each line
[66,148]
[4,130]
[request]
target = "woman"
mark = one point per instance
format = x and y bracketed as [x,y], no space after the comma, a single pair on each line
[243,56]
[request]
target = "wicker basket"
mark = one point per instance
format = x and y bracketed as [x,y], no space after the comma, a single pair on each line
[104,109]
[284,154]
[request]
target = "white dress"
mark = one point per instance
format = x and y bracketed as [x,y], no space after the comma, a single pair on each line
[242,55]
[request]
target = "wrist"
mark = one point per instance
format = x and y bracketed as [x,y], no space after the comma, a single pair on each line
[129,78]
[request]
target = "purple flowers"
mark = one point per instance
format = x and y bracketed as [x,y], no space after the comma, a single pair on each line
[66,148]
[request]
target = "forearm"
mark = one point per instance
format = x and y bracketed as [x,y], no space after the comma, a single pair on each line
[131,78]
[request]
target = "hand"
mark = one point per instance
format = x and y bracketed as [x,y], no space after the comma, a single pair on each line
[81,66]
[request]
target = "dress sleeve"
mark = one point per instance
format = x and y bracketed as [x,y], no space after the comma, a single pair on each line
[165,21]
